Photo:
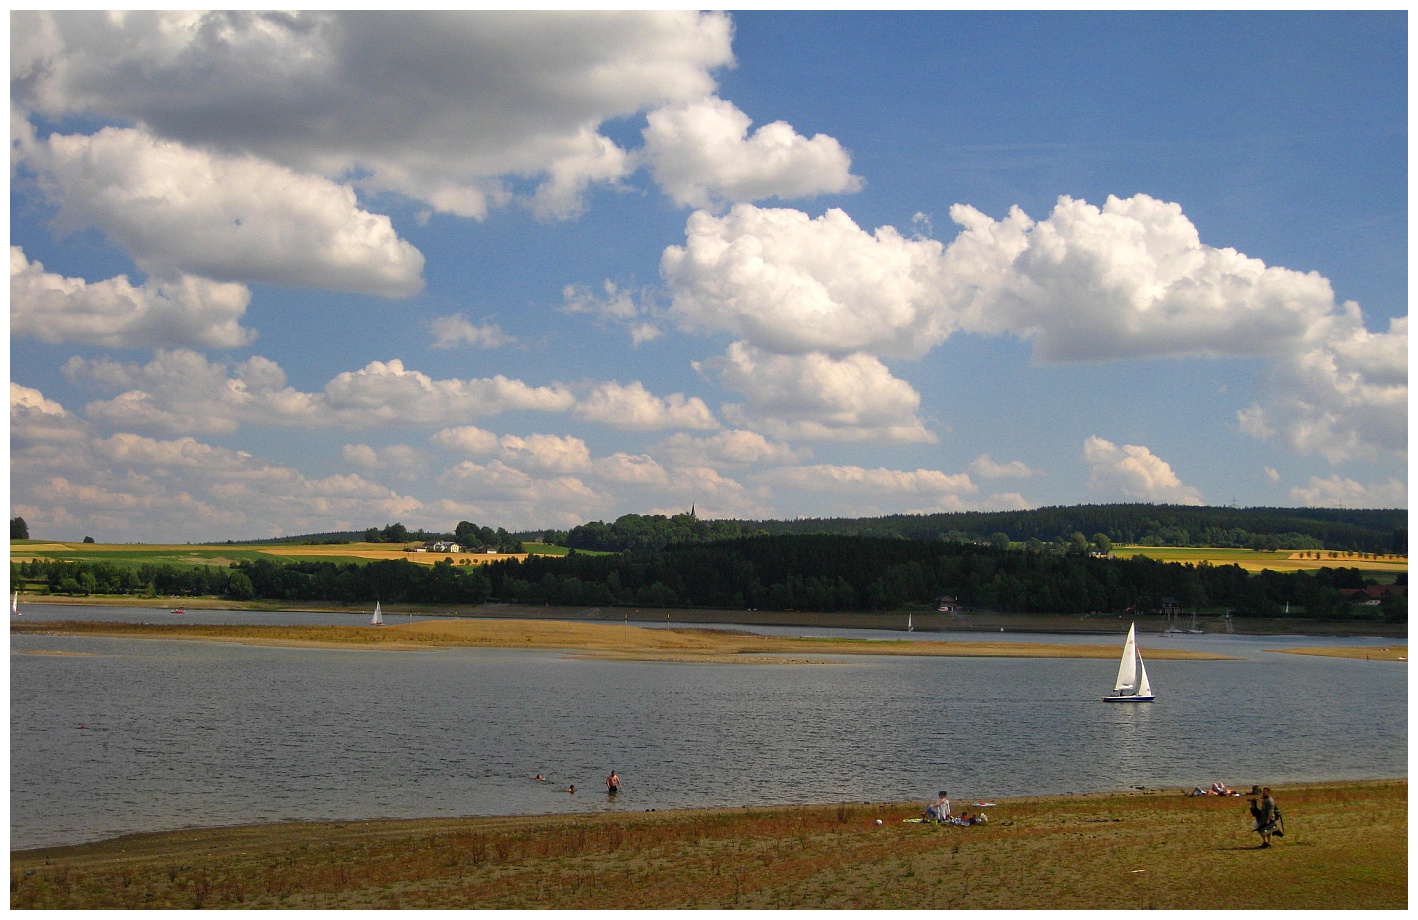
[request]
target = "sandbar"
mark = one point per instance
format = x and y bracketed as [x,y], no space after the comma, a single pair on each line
[618,641]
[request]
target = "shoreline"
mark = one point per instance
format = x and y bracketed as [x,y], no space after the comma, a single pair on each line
[925,621]
[1346,849]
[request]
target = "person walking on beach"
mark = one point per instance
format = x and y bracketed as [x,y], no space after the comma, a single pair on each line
[1266,815]
[612,783]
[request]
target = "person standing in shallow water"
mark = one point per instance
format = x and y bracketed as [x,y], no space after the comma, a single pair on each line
[612,783]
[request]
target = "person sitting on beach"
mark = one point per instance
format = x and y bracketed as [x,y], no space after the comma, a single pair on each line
[1219,788]
[939,810]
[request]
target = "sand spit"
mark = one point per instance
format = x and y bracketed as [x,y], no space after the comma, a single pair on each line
[1370,653]
[619,641]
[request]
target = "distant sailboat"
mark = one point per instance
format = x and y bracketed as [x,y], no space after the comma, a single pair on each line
[378,618]
[15,605]
[910,622]
[1131,685]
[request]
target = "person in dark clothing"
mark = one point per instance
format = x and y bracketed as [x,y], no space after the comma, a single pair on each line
[1266,815]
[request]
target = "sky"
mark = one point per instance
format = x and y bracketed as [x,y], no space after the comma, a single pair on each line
[277,274]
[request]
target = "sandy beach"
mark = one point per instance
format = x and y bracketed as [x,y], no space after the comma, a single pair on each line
[1345,847]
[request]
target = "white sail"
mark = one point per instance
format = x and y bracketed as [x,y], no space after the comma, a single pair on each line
[378,618]
[1143,687]
[1127,670]
[15,603]
[910,619]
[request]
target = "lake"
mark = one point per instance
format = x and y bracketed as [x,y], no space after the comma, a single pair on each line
[112,736]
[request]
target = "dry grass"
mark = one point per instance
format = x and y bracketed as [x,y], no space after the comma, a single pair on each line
[609,640]
[1346,847]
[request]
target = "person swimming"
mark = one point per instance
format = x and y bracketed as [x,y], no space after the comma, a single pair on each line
[612,783]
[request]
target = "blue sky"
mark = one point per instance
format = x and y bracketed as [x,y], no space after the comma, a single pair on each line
[277,275]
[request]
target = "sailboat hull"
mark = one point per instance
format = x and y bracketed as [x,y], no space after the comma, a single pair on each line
[1128,699]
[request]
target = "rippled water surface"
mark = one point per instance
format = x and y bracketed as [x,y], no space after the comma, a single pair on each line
[111,736]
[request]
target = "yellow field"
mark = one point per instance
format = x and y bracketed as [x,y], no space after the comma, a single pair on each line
[1285,560]
[384,551]
[227,553]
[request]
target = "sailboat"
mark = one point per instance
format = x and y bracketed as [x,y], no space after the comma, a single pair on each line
[15,605]
[1132,685]
[910,622]
[378,618]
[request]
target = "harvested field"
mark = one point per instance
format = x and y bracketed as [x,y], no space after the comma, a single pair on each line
[620,641]
[1345,848]
[1283,560]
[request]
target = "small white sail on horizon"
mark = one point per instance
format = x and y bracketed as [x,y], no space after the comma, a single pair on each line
[378,618]
[15,605]
[1132,685]
[910,622]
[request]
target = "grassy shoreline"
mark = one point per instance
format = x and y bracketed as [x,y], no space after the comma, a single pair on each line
[1346,847]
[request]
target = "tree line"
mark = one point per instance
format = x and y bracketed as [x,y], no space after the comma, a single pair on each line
[1052,529]
[783,572]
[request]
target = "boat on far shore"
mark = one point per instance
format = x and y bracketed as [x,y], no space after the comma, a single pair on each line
[177,610]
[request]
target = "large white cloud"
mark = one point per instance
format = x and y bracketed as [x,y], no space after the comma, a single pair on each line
[445,108]
[1134,473]
[701,153]
[114,313]
[817,397]
[1128,280]
[790,284]
[180,210]
[1131,279]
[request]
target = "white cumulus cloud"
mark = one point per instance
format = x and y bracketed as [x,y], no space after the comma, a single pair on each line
[1346,399]
[114,313]
[631,406]
[790,284]
[181,391]
[440,107]
[1134,473]
[179,210]
[816,397]
[702,153]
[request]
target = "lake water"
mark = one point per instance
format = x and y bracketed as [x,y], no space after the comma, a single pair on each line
[111,736]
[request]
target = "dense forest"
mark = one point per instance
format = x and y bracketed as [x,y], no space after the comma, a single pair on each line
[777,572]
[1361,531]
[1145,525]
